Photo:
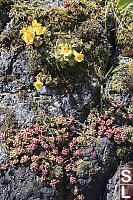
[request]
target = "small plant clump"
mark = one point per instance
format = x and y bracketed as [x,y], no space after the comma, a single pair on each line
[68,40]
[29,33]
[124,34]
[114,123]
[121,81]
[52,149]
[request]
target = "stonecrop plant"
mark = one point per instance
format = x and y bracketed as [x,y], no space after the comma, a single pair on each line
[114,123]
[52,149]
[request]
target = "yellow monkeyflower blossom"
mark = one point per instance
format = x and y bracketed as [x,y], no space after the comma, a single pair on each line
[38,84]
[28,37]
[40,30]
[64,50]
[79,57]
[30,29]
[23,30]
[35,24]
[38,27]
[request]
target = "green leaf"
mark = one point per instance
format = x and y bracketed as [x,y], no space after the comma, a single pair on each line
[123,4]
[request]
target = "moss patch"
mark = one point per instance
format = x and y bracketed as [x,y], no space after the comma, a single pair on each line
[72,23]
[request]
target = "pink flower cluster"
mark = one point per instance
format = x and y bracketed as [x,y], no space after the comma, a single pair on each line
[106,124]
[56,144]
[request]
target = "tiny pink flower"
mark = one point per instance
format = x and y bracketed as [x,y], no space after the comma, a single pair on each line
[100,132]
[59,138]
[80,197]
[62,130]
[52,145]
[91,115]
[35,158]
[45,146]
[77,153]
[53,182]
[42,179]
[98,119]
[67,9]
[33,166]
[44,171]
[93,124]
[111,109]
[41,137]
[56,12]
[72,179]
[4,166]
[55,151]
[109,122]
[71,118]
[105,116]
[59,159]
[74,3]
[71,145]
[34,141]
[65,4]
[31,147]
[65,151]
[66,134]
[68,167]
[41,167]
[130,116]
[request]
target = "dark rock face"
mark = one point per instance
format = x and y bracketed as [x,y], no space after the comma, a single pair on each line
[93,187]
[5,7]
[16,80]
[21,183]
[21,103]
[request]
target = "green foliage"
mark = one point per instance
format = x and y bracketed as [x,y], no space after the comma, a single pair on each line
[83,21]
[124,36]
[124,4]
[121,80]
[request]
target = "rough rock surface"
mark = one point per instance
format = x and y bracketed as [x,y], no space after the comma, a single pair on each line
[17,81]
[20,104]
[21,183]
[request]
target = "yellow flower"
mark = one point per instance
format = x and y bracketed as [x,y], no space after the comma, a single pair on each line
[38,27]
[64,50]
[40,30]
[35,24]
[30,29]
[38,84]
[79,57]
[23,30]
[28,37]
